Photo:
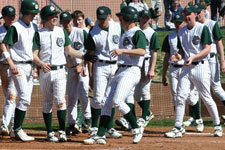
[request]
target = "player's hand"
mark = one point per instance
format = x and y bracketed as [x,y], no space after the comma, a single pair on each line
[14,69]
[151,74]
[116,52]
[164,82]
[176,57]
[46,67]
[80,69]
[189,61]
[222,66]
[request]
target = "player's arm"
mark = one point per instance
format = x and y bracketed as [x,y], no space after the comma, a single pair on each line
[154,46]
[206,41]
[139,40]
[9,40]
[166,49]
[36,48]
[217,35]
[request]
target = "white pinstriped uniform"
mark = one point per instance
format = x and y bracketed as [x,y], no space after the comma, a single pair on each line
[142,90]
[10,105]
[22,51]
[197,75]
[52,83]
[125,79]
[77,85]
[214,65]
[104,72]
[174,72]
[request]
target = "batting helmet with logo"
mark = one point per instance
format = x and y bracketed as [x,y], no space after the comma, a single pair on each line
[129,14]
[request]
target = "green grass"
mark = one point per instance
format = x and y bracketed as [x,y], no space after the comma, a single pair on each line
[158,70]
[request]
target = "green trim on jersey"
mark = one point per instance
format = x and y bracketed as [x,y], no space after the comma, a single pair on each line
[166,45]
[67,39]
[216,33]
[85,36]
[36,41]
[90,44]
[11,36]
[139,39]
[154,43]
[206,36]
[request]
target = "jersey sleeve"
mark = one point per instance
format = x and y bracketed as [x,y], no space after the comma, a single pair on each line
[36,41]
[154,43]
[11,36]
[139,39]
[166,45]
[90,44]
[206,36]
[85,36]
[67,39]
[217,35]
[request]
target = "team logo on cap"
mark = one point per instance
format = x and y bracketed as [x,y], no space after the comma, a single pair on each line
[59,42]
[115,39]
[126,41]
[65,15]
[101,11]
[196,40]
[177,16]
[77,45]
[10,9]
[52,8]
[36,6]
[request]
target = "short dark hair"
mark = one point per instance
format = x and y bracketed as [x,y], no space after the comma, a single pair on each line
[77,14]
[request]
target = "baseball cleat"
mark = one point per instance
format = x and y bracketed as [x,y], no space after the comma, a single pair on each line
[93,131]
[123,123]
[189,122]
[218,131]
[137,134]
[12,133]
[95,140]
[86,127]
[149,118]
[62,136]
[175,133]
[4,130]
[141,122]
[51,137]
[200,125]
[21,135]
[112,133]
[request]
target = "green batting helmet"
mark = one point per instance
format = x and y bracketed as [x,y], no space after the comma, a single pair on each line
[46,11]
[129,14]
[65,16]
[29,6]
[8,11]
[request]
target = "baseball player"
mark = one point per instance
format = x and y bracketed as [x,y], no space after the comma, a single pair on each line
[50,44]
[103,38]
[170,48]
[77,85]
[79,20]
[142,90]
[19,39]
[216,48]
[8,13]
[131,48]
[194,45]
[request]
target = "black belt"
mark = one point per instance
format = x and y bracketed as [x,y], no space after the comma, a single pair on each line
[108,62]
[24,62]
[56,67]
[198,62]
[177,66]
[212,55]
[147,58]
[121,65]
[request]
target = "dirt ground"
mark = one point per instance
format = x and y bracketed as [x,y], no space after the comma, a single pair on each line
[153,139]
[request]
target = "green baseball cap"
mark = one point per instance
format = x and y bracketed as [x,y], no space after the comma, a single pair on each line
[144,13]
[65,16]
[207,2]
[199,7]
[8,11]
[103,12]
[179,17]
[189,8]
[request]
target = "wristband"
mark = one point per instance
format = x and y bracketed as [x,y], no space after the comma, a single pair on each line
[5,55]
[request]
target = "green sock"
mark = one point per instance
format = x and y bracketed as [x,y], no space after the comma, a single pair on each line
[145,108]
[48,121]
[223,103]
[132,109]
[132,120]
[104,120]
[197,110]
[87,121]
[191,111]
[95,114]
[61,114]
[110,124]
[18,119]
